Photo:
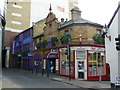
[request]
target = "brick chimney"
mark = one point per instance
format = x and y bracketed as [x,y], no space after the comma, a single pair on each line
[75,13]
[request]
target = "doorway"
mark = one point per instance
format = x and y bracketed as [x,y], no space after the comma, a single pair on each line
[81,69]
[52,65]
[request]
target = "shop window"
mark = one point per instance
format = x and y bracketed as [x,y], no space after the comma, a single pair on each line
[26,34]
[96,63]
[64,64]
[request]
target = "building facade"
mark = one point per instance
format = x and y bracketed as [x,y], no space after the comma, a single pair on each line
[7,51]
[112,55]
[87,47]
[22,49]
[17,15]
[87,51]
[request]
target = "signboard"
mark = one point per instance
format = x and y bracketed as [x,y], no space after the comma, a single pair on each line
[52,54]
[117,83]
[87,48]
[29,54]
[19,55]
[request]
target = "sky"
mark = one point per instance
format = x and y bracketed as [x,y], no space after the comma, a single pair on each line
[99,11]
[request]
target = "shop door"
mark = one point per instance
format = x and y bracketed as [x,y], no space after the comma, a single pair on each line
[81,69]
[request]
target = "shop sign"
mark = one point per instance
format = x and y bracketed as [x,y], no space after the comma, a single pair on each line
[52,54]
[54,51]
[117,80]
[19,55]
[97,49]
[87,48]
[29,54]
[81,49]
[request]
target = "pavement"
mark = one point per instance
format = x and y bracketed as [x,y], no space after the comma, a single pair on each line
[79,83]
[75,82]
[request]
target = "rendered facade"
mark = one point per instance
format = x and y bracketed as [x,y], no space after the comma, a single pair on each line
[113,30]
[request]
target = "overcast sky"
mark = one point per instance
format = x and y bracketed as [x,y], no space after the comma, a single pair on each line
[99,11]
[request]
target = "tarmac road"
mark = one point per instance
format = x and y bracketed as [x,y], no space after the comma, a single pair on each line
[17,78]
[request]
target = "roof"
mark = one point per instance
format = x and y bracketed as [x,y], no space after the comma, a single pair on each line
[38,35]
[24,31]
[78,21]
[114,15]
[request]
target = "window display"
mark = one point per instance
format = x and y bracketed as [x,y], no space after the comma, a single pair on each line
[96,63]
[64,64]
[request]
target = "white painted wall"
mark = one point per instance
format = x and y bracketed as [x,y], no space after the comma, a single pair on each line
[111,52]
[0,55]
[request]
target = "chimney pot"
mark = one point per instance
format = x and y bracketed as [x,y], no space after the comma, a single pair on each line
[62,19]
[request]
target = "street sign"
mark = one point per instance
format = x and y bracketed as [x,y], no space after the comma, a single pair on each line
[118,78]
[117,83]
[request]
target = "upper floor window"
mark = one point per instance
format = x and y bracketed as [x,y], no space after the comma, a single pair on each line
[98,31]
[26,34]
[66,32]
[50,25]
[26,46]
[17,38]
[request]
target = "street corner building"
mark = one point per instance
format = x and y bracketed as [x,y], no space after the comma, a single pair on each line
[87,51]
[87,62]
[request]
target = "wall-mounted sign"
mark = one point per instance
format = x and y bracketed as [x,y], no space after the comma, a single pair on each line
[54,51]
[52,54]
[29,54]
[19,55]
[117,80]
[88,48]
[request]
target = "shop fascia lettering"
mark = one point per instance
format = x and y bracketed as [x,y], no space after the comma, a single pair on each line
[87,48]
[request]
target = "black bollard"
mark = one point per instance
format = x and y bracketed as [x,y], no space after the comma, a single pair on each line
[42,72]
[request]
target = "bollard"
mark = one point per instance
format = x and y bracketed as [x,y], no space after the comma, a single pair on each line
[47,74]
[42,72]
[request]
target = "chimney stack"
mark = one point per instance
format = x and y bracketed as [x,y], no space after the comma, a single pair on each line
[62,19]
[75,13]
